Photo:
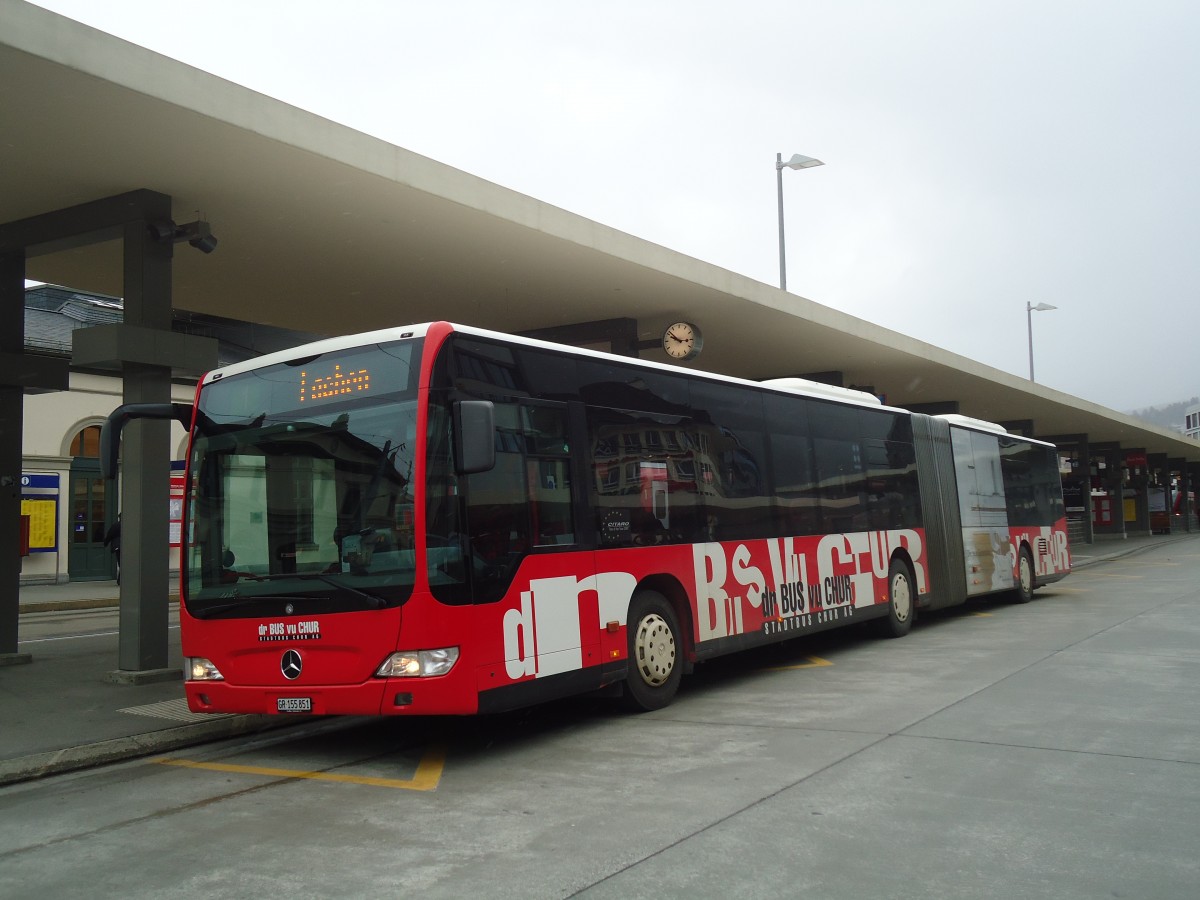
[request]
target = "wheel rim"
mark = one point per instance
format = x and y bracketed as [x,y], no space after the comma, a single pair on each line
[1026,574]
[654,649]
[901,598]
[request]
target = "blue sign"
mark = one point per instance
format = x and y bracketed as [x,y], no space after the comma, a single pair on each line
[38,481]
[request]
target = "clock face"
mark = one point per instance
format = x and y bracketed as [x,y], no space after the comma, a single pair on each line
[682,341]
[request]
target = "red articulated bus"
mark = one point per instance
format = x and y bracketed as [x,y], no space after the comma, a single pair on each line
[443,520]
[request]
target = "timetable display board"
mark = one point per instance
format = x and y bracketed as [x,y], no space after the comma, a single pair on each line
[39,501]
[175,513]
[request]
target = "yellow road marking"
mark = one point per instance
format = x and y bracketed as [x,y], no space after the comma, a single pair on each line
[983,615]
[814,662]
[428,774]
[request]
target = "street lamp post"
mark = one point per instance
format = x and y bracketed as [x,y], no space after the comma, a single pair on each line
[1030,309]
[796,162]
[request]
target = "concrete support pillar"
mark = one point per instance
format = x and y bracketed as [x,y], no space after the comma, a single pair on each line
[1082,456]
[1176,474]
[1077,493]
[1136,490]
[145,473]
[1160,493]
[1106,463]
[1190,486]
[12,345]
[145,350]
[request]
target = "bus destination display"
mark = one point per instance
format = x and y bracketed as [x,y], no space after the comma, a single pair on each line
[336,384]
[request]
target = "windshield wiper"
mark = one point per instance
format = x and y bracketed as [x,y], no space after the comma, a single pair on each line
[205,611]
[376,601]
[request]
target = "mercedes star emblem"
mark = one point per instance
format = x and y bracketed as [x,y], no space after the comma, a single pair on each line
[290,665]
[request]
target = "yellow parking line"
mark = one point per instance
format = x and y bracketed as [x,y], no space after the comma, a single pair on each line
[814,662]
[428,774]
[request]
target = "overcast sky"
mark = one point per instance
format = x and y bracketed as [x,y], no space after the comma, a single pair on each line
[978,155]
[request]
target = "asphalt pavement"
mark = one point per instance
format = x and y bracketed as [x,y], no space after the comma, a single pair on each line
[71,709]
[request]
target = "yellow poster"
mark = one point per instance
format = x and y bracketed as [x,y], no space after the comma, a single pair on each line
[41,523]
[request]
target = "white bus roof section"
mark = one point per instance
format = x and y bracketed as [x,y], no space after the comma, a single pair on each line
[331,231]
[978,424]
[804,386]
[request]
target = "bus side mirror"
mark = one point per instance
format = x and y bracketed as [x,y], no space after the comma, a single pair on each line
[110,432]
[474,436]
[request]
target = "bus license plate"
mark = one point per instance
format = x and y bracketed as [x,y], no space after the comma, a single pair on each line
[294,704]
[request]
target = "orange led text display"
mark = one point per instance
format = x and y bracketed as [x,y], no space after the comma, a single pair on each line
[337,384]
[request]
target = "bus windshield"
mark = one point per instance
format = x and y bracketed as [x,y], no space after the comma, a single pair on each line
[301,485]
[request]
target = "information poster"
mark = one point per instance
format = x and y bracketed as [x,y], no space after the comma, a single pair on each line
[175,516]
[39,501]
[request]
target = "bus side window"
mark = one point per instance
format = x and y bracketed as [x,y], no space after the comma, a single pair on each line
[497,511]
[841,475]
[548,475]
[728,425]
[645,478]
[795,484]
[524,501]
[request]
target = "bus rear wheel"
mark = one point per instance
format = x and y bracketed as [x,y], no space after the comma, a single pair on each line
[655,666]
[902,602]
[1025,579]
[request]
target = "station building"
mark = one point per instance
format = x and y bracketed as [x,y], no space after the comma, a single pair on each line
[324,230]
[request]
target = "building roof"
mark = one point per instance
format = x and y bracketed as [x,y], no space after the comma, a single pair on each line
[53,313]
[326,230]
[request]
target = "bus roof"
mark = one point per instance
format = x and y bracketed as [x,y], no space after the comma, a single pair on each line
[990,427]
[344,342]
[968,422]
[804,386]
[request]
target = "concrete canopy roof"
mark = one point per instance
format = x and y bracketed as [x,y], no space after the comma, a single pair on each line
[328,230]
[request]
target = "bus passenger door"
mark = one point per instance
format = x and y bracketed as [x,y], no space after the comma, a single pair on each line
[524,527]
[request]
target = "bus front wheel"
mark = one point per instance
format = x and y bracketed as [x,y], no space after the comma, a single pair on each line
[1025,582]
[655,666]
[902,602]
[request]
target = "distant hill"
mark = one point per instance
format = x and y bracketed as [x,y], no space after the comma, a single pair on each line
[1167,416]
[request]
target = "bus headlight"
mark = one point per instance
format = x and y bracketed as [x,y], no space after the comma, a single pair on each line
[418,663]
[197,668]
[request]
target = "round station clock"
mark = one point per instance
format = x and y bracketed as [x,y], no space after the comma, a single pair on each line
[682,341]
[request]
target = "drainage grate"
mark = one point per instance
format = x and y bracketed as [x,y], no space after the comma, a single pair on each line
[175,710]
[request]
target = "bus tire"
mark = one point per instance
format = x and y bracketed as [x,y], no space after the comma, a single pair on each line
[902,602]
[1025,578]
[655,660]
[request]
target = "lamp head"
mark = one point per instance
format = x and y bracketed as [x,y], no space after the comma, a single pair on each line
[198,234]
[801,162]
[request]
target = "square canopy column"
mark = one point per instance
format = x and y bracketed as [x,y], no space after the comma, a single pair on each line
[145,350]
[20,373]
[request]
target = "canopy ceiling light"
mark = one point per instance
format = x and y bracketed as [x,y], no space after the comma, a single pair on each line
[198,234]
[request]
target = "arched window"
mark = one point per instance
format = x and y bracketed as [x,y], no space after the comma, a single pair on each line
[87,442]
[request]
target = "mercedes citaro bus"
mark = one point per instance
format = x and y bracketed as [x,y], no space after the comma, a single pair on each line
[438,519]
